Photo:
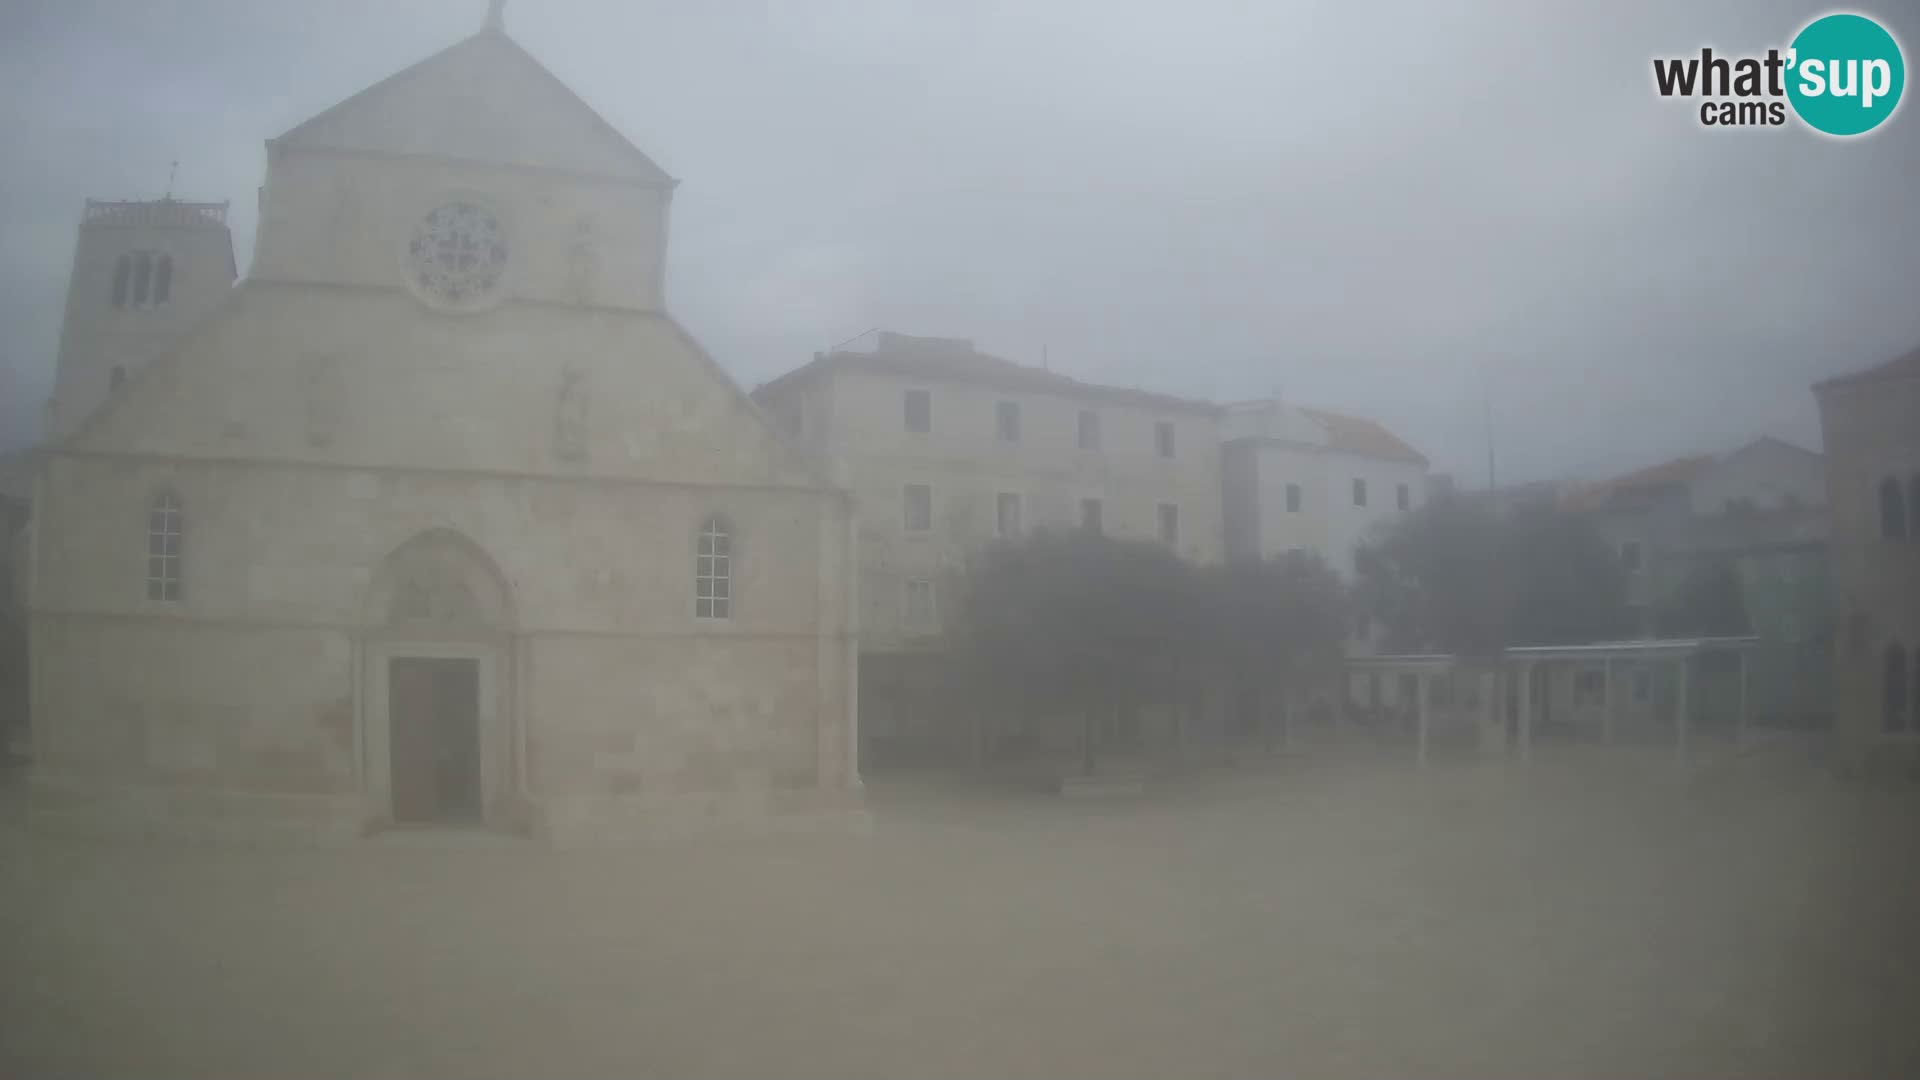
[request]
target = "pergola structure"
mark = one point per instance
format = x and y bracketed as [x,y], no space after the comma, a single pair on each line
[1522,661]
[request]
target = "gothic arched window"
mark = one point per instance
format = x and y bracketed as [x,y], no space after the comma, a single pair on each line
[713,571]
[142,278]
[164,532]
[122,273]
[1893,510]
[163,280]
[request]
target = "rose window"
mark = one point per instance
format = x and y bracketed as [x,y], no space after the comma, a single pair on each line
[457,254]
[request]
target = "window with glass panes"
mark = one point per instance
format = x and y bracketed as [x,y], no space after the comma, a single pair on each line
[713,572]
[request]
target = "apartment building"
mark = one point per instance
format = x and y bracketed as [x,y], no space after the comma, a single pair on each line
[1306,479]
[946,449]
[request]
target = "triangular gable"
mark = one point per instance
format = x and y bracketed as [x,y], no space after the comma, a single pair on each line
[484,99]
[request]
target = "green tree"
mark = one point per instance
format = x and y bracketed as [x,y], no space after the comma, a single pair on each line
[1708,603]
[1434,580]
[1269,625]
[1077,622]
[1458,576]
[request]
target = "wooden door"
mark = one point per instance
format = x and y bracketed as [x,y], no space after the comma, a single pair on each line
[456,739]
[434,724]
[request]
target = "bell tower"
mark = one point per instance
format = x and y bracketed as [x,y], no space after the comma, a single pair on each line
[143,273]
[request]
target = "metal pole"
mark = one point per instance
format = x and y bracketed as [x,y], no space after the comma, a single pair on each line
[1425,692]
[1526,712]
[1680,718]
[1489,686]
[1606,701]
[1742,730]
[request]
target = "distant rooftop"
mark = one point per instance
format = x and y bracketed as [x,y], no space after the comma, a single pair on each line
[1665,477]
[1652,480]
[1271,420]
[163,212]
[957,360]
[1904,366]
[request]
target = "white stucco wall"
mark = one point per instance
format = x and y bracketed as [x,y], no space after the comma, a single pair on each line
[862,428]
[1328,523]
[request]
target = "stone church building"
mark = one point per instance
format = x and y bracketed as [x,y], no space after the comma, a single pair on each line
[437,516]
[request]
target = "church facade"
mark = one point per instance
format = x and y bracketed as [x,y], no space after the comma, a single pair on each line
[437,516]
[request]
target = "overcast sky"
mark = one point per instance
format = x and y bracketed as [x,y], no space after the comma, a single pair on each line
[1401,211]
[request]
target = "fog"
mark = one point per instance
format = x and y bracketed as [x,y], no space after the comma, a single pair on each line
[1413,213]
[1436,591]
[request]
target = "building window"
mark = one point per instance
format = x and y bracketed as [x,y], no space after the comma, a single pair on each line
[1359,492]
[142,278]
[1006,518]
[163,280]
[1089,430]
[1630,555]
[1090,514]
[458,255]
[920,610]
[1894,700]
[122,277]
[919,508]
[1163,438]
[164,529]
[713,571]
[1893,510]
[1293,498]
[919,407]
[1169,524]
[1007,421]
[1404,498]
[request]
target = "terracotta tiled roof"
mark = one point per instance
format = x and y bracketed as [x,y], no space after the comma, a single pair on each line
[945,360]
[1354,435]
[1906,366]
[1664,476]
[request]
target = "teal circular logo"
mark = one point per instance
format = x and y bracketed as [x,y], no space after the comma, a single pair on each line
[1845,74]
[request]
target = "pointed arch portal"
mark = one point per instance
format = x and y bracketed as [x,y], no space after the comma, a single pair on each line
[438,735]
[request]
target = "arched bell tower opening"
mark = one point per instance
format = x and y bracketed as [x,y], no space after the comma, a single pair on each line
[439,739]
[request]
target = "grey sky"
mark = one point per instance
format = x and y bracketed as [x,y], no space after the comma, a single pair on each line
[1396,211]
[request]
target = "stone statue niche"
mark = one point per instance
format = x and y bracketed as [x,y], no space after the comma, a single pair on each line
[570,416]
[583,264]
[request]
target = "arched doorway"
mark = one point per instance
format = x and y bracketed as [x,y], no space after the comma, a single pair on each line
[438,745]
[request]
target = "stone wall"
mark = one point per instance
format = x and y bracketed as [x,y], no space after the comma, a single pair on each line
[1872,431]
